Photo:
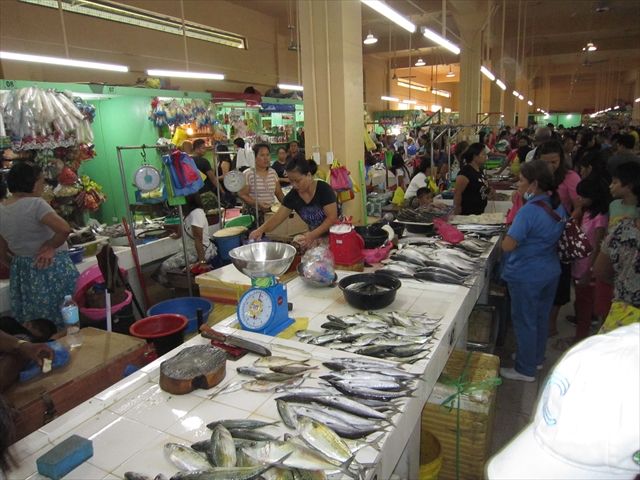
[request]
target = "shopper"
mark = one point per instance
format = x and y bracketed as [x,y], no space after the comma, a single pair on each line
[624,188]
[594,162]
[225,165]
[312,199]
[261,184]
[279,165]
[565,182]
[472,188]
[245,157]
[200,248]
[592,213]
[293,149]
[199,150]
[423,198]
[33,241]
[420,179]
[586,422]
[542,135]
[532,268]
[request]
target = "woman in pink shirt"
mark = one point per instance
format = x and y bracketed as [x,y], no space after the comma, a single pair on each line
[566,181]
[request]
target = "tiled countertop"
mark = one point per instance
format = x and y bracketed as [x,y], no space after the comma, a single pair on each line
[131,421]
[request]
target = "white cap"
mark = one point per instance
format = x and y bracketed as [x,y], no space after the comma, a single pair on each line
[587,421]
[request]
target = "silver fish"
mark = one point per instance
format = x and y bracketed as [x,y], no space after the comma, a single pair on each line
[274,361]
[287,415]
[266,386]
[342,427]
[323,439]
[339,402]
[135,476]
[255,435]
[228,388]
[293,369]
[185,458]
[227,473]
[244,423]
[222,447]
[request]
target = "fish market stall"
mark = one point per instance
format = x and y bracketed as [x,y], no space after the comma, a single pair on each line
[136,426]
[501,204]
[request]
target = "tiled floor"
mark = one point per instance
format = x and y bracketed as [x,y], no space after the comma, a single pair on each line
[516,401]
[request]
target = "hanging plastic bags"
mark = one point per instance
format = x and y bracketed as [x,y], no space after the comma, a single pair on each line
[339,177]
[183,173]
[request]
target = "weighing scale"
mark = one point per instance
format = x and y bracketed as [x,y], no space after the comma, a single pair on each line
[264,307]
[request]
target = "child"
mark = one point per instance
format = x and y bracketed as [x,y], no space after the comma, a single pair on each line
[593,202]
[423,198]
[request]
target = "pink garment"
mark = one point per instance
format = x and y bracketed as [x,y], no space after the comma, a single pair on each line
[567,190]
[517,205]
[589,226]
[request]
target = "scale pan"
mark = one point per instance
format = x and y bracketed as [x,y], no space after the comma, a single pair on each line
[263,259]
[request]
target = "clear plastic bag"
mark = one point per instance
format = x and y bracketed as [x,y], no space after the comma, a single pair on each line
[318,265]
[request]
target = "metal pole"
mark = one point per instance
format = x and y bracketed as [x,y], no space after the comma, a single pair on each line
[184,249]
[432,166]
[255,191]
[218,185]
[126,194]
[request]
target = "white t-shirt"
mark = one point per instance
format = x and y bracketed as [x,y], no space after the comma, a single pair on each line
[419,181]
[245,158]
[197,218]
[530,155]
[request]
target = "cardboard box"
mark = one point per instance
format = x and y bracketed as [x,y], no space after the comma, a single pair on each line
[477,411]
[288,229]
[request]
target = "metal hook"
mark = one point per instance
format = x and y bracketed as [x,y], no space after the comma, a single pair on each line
[143,154]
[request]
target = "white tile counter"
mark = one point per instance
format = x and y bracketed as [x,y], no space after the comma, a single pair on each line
[131,421]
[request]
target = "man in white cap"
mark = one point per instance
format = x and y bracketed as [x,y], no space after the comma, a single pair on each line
[587,421]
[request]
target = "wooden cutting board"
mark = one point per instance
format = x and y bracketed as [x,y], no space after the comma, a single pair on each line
[201,366]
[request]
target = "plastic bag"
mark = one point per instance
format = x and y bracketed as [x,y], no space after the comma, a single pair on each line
[317,265]
[449,233]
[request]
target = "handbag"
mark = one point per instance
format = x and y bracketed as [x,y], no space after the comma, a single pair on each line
[573,243]
[339,177]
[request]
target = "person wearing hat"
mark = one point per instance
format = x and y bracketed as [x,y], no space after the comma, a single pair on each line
[587,419]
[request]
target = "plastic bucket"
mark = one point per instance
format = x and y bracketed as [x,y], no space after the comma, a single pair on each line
[86,280]
[187,307]
[225,242]
[166,331]
[241,221]
[430,456]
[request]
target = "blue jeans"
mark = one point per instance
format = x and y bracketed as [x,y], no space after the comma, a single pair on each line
[531,304]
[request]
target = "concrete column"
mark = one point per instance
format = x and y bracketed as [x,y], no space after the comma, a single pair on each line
[509,103]
[331,54]
[470,62]
[495,104]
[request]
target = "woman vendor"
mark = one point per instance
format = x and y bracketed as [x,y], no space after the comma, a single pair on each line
[313,200]
[33,241]
[261,184]
[472,189]
[200,248]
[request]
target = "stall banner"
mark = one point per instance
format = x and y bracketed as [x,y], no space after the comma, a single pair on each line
[277,107]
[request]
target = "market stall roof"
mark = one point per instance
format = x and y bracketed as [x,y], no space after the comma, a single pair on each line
[95,91]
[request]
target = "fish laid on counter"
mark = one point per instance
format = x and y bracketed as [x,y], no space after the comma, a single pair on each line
[377,334]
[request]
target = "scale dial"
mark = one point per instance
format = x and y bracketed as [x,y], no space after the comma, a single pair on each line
[255,309]
[147,178]
[234,181]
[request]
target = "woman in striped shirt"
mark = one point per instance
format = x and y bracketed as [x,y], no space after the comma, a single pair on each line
[261,183]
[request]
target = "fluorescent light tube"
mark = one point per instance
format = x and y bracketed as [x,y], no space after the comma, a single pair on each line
[521,97]
[441,93]
[184,74]
[288,86]
[65,62]
[389,99]
[515,94]
[530,103]
[412,86]
[385,10]
[403,106]
[433,36]
[487,73]
[501,84]
[410,102]
[636,100]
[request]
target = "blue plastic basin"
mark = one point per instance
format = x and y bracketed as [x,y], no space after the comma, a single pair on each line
[186,306]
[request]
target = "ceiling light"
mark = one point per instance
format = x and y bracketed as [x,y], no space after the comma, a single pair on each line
[420,63]
[589,48]
[501,84]
[537,109]
[450,74]
[410,102]
[521,97]
[436,108]
[433,36]
[530,103]
[389,99]
[370,40]
[137,17]
[515,94]
[65,62]
[616,107]
[569,116]
[447,110]
[412,85]
[487,73]
[184,74]
[636,100]
[288,86]
[384,9]
[441,93]
[607,109]
[403,106]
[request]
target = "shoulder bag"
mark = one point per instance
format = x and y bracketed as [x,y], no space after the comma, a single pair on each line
[573,243]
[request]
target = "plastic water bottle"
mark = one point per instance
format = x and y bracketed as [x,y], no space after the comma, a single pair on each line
[71,317]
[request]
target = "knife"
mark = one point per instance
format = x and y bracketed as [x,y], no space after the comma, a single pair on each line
[207,332]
